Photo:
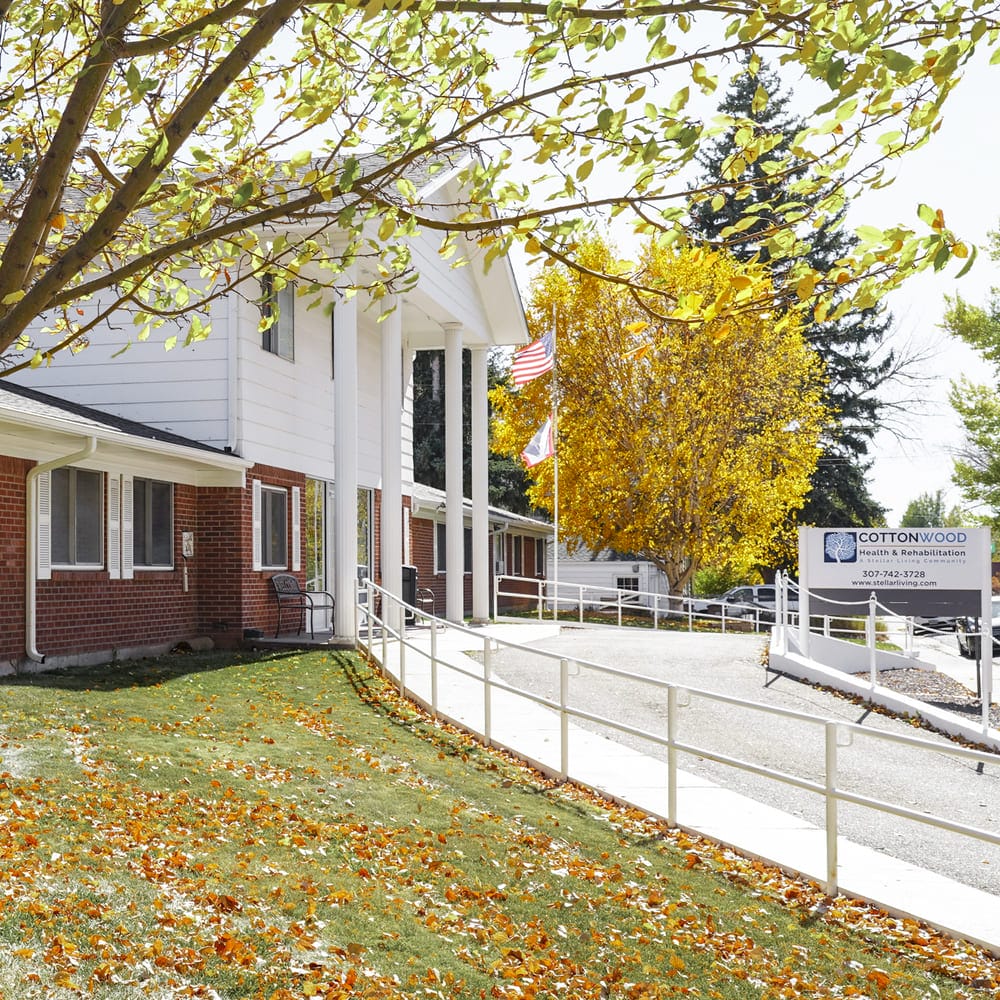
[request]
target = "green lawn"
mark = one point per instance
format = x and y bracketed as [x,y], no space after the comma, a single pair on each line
[283,826]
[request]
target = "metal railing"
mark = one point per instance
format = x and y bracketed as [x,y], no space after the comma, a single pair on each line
[561,600]
[375,627]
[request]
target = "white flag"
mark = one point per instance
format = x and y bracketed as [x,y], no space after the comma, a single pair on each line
[540,447]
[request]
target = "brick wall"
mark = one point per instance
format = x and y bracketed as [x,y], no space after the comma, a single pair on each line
[253,606]
[12,554]
[422,556]
[83,611]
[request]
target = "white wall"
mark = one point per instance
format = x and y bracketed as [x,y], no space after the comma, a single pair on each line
[183,391]
[604,574]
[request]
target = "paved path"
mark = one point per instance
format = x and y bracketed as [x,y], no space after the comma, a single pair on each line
[636,775]
[925,781]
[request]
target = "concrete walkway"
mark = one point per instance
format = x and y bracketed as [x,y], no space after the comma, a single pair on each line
[533,732]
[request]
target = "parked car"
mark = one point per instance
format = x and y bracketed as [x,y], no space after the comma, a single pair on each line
[748,602]
[969,632]
[923,625]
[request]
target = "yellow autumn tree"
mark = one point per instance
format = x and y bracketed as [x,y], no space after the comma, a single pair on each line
[685,438]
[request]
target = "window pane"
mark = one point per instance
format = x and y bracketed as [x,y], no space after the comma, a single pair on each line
[467,539]
[60,533]
[364,531]
[442,548]
[140,526]
[274,504]
[88,516]
[162,528]
[286,323]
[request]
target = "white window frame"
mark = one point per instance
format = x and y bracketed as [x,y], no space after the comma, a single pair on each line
[440,556]
[440,549]
[128,495]
[49,520]
[539,557]
[517,555]
[279,337]
[272,492]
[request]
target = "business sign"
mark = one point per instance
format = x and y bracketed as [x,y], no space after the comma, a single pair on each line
[922,571]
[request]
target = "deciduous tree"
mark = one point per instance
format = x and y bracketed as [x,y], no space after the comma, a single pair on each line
[852,347]
[682,445]
[237,135]
[928,511]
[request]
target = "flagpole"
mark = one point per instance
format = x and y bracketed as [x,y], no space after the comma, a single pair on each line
[555,463]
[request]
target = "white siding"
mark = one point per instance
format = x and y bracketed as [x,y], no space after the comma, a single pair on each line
[182,391]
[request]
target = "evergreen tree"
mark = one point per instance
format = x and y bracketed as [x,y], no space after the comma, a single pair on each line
[507,478]
[852,347]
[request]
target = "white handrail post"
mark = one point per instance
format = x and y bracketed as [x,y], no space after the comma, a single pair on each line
[619,609]
[540,602]
[357,615]
[672,756]
[401,636]
[563,720]
[487,695]
[656,610]
[826,626]
[496,596]
[831,808]
[369,610]
[690,615]
[434,670]
[385,635]
[580,603]
[872,658]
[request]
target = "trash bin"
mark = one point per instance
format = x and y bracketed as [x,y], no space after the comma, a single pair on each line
[409,594]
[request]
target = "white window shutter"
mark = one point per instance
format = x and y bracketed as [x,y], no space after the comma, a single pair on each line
[114,540]
[257,526]
[43,509]
[128,571]
[296,529]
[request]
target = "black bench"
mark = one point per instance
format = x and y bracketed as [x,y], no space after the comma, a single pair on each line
[289,594]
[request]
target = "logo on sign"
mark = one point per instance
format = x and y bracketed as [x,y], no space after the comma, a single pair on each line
[840,547]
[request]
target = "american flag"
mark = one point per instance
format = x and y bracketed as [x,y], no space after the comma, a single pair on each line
[535,359]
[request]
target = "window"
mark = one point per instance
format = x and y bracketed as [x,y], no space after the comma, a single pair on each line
[274,527]
[77,518]
[627,583]
[540,557]
[152,523]
[441,548]
[517,555]
[277,316]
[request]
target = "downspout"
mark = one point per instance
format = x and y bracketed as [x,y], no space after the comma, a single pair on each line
[31,548]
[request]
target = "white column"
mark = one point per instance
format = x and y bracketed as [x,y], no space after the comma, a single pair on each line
[392,451]
[345,457]
[454,521]
[481,556]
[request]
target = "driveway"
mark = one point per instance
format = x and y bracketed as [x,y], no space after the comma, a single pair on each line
[924,780]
